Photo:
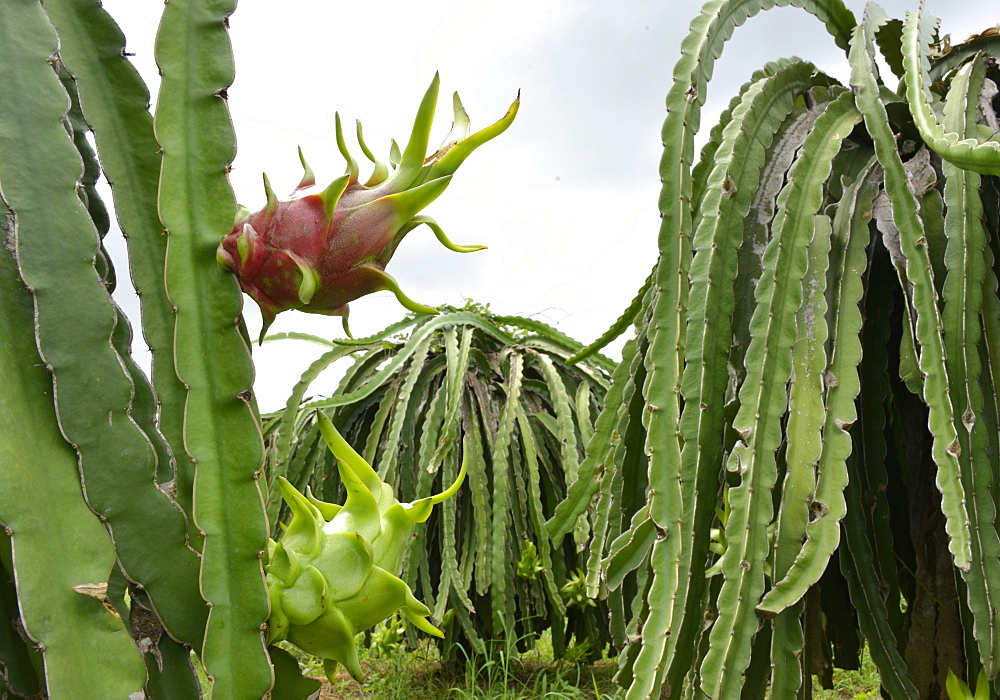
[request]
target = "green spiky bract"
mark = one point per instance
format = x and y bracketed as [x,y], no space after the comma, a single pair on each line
[330,578]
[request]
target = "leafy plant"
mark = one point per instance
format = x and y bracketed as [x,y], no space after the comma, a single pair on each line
[134,511]
[958,690]
[817,341]
[495,394]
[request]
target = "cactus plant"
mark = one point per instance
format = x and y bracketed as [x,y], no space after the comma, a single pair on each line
[469,389]
[810,404]
[807,413]
[152,486]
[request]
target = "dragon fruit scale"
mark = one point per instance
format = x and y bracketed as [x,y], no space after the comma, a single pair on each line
[321,249]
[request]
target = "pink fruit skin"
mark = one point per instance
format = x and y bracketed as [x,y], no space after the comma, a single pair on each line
[342,252]
[318,252]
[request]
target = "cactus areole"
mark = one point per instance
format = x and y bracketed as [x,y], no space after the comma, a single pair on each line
[320,250]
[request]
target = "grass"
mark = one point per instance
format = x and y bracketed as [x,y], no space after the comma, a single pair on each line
[397,673]
[393,672]
[402,674]
[862,684]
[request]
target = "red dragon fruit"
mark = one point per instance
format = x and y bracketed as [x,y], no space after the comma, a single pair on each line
[318,251]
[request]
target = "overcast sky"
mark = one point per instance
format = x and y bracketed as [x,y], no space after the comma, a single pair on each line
[565,199]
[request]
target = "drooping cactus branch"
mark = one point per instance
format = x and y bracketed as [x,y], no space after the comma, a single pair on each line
[810,402]
[500,388]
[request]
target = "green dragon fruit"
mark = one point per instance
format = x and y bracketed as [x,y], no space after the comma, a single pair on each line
[318,251]
[335,570]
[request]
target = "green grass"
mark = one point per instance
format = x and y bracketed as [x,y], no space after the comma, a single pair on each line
[397,673]
[862,684]
[394,672]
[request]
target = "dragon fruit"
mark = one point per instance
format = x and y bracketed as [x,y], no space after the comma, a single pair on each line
[335,570]
[320,250]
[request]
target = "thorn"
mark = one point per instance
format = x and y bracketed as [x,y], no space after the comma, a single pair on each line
[309,282]
[352,165]
[331,195]
[308,178]
[272,199]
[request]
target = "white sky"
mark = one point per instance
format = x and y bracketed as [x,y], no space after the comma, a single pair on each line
[565,199]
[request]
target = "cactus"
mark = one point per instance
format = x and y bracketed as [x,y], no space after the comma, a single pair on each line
[797,451]
[493,394]
[810,407]
[153,486]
